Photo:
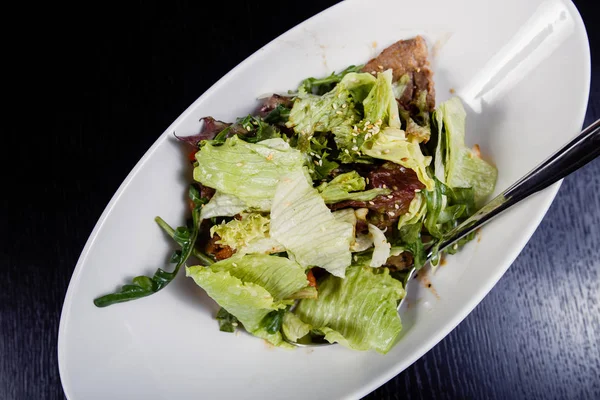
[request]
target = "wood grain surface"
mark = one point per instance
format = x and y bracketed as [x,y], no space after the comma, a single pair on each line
[104,82]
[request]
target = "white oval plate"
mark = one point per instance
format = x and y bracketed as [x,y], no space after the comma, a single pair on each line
[522,69]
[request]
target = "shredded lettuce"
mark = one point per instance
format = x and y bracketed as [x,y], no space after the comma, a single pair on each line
[359,311]
[301,221]
[340,188]
[456,165]
[252,286]
[246,170]
[391,144]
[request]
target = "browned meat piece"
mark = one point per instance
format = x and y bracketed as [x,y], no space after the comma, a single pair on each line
[207,192]
[386,209]
[400,262]
[272,102]
[219,251]
[407,57]
[210,128]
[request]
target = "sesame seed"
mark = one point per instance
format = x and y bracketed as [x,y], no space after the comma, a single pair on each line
[346,151]
[338,112]
[316,162]
[396,206]
[367,123]
[386,151]
[371,203]
[334,106]
[384,186]
[355,148]
[417,190]
[234,264]
[390,196]
[367,180]
[344,105]
[248,128]
[395,187]
[380,66]
[318,156]
[391,213]
[404,159]
[373,72]
[320,163]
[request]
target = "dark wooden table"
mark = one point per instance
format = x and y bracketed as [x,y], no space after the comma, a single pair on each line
[108,81]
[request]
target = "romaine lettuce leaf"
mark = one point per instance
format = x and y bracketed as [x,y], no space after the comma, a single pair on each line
[340,188]
[252,286]
[359,311]
[222,205]
[391,144]
[456,165]
[301,221]
[246,170]
[249,234]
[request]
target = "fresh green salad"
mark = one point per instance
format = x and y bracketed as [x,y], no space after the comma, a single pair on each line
[307,214]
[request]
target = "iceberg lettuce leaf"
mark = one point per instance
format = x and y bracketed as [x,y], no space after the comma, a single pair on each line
[246,170]
[293,327]
[303,224]
[456,165]
[381,251]
[391,144]
[380,104]
[348,186]
[250,287]
[222,205]
[359,311]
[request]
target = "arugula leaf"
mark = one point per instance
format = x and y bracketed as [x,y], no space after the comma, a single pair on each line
[257,129]
[273,320]
[203,258]
[279,114]
[143,286]
[321,166]
[196,197]
[227,322]
[323,85]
